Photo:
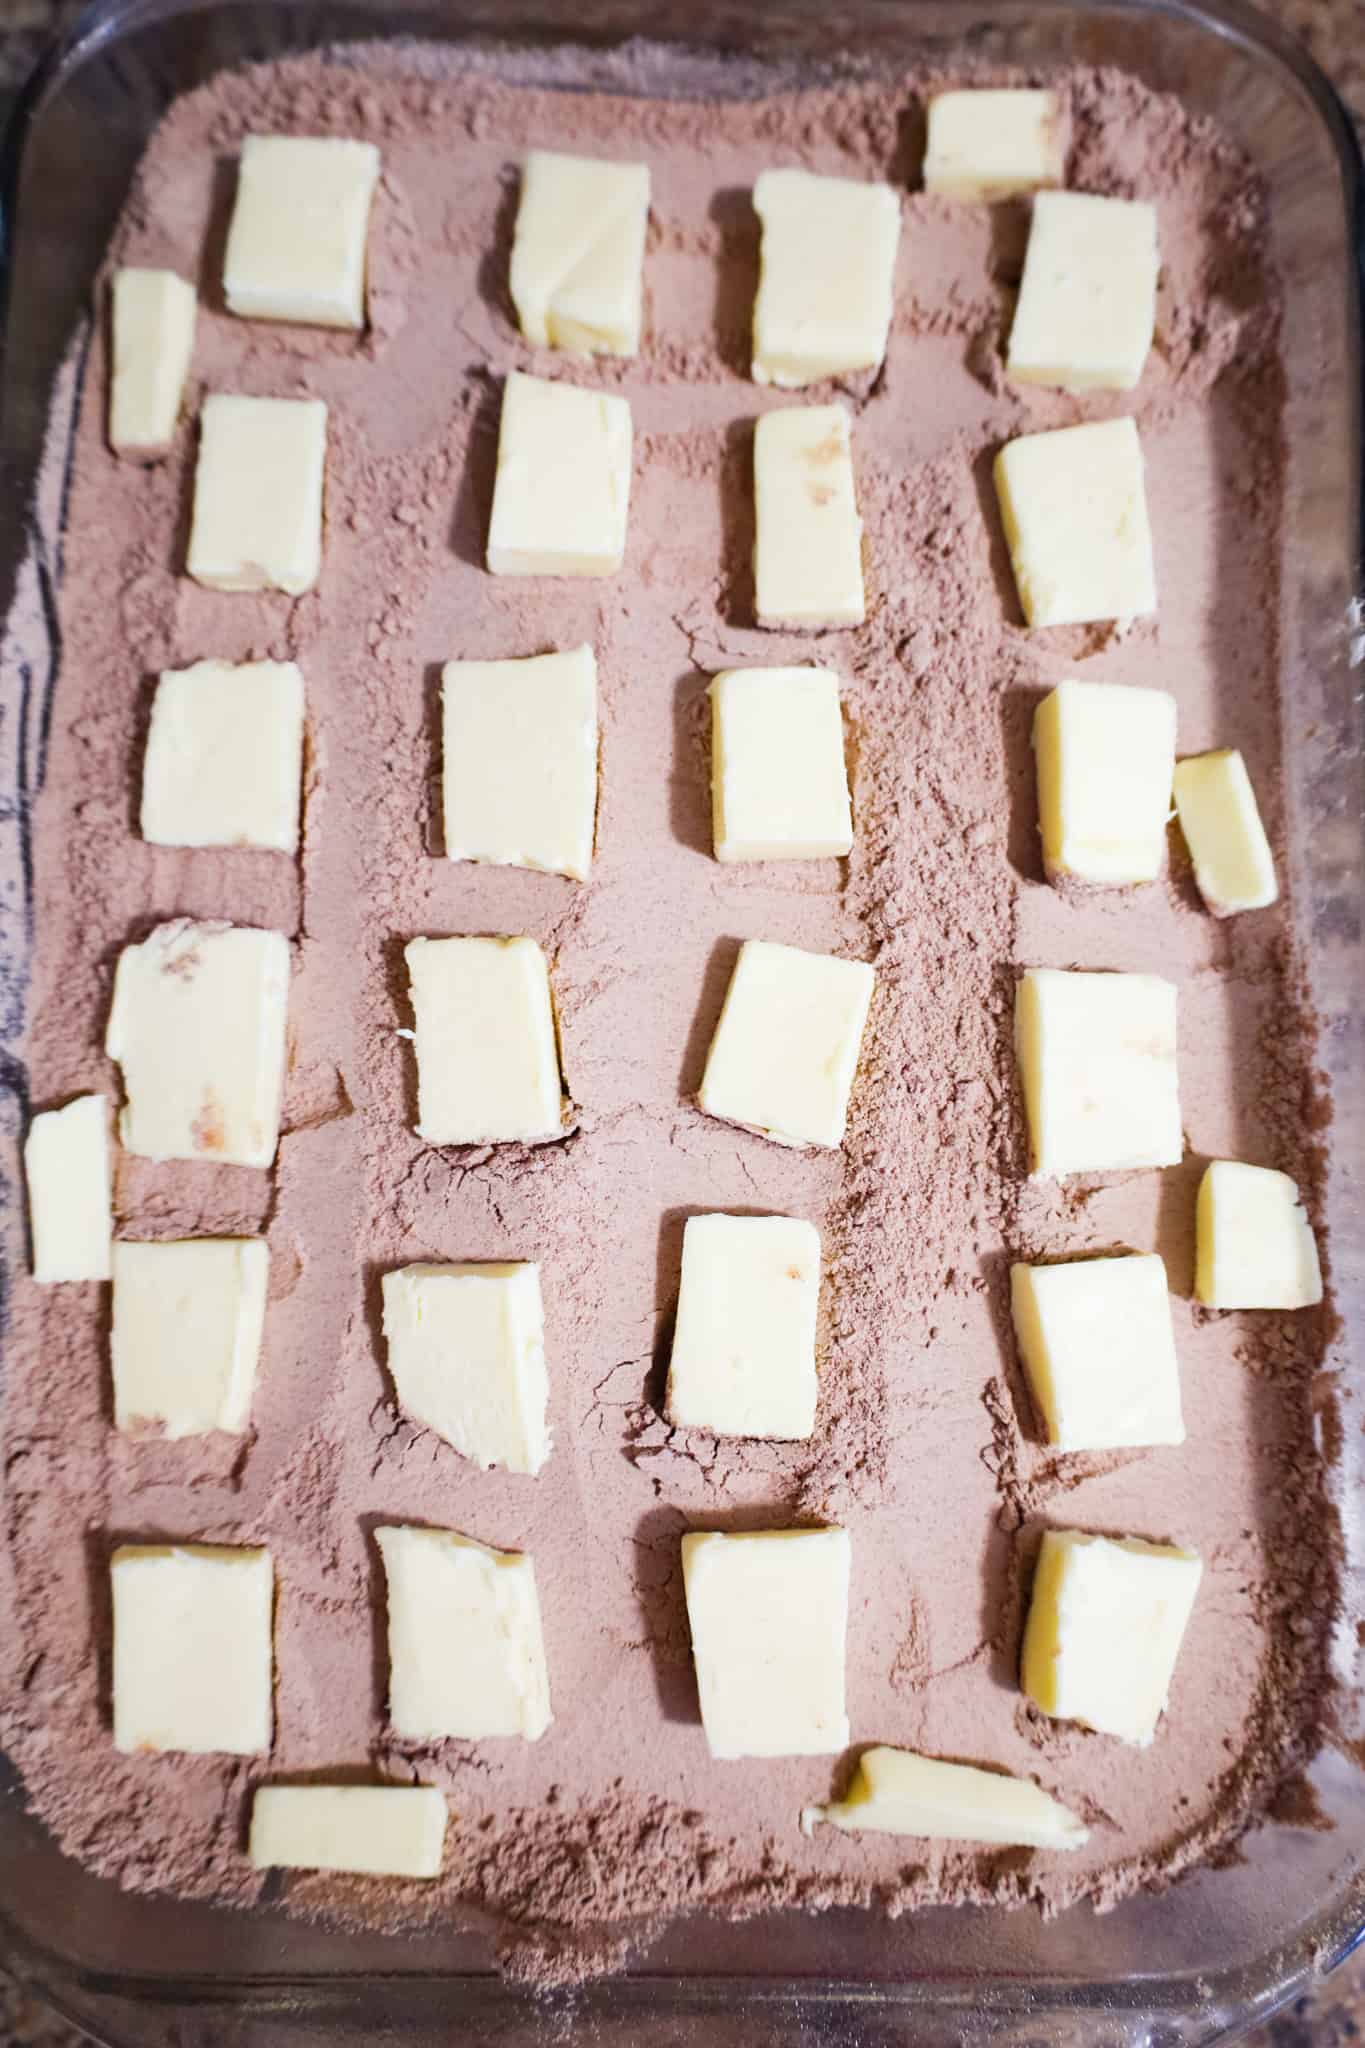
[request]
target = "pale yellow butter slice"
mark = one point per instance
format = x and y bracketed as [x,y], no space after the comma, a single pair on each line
[373,1830]
[994,143]
[224,760]
[466,1655]
[487,1061]
[68,1168]
[743,1360]
[1097,1060]
[1219,817]
[779,787]
[823,306]
[808,538]
[786,1048]
[1098,1346]
[578,253]
[186,1338]
[895,1792]
[519,764]
[296,245]
[257,522]
[561,494]
[1087,302]
[1105,756]
[193,1648]
[1254,1246]
[1074,506]
[153,334]
[467,1353]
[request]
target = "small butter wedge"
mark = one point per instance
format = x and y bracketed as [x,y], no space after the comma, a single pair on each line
[808,538]
[375,1830]
[895,1792]
[1219,817]
[1254,1245]
[578,253]
[994,144]
[153,330]
[1105,755]
[66,1160]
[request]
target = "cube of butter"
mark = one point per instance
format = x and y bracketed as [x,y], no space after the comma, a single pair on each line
[768,1611]
[895,1792]
[1075,513]
[374,1830]
[1216,804]
[828,257]
[808,538]
[520,761]
[786,1047]
[186,1340]
[257,522]
[1105,755]
[466,1657]
[224,761]
[153,336]
[578,253]
[197,1025]
[1097,1059]
[779,787]
[296,246]
[743,1360]
[67,1165]
[1105,1625]
[467,1355]
[193,1655]
[1087,302]
[562,489]
[487,1061]
[1254,1246]
[993,144]
[1098,1346]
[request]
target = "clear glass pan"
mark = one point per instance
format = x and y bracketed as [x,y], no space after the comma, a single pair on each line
[1223,1947]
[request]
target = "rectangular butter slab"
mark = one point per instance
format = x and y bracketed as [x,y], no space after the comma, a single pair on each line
[1105,755]
[373,1830]
[1097,1060]
[257,521]
[779,787]
[895,1792]
[823,306]
[994,144]
[296,246]
[193,1655]
[1254,1245]
[466,1349]
[519,761]
[186,1338]
[153,319]
[786,1048]
[1074,506]
[1098,1347]
[808,538]
[487,1060]
[466,1655]
[69,1171]
[578,253]
[224,760]
[1087,302]
[743,1359]
[1221,822]
[561,495]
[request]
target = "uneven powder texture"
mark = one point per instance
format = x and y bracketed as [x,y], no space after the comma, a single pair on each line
[570,1850]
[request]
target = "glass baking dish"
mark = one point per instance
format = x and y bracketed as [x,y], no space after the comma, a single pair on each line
[1224,1946]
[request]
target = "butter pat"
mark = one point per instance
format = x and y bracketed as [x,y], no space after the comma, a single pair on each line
[466,1657]
[562,490]
[188,1317]
[1097,1059]
[994,144]
[1222,825]
[1096,1339]
[779,788]
[808,538]
[895,1792]
[257,521]
[824,290]
[467,1354]
[197,1025]
[67,1166]
[153,333]
[296,246]
[1254,1246]
[1104,1629]
[786,1047]
[743,1359]
[487,1062]
[1105,755]
[768,1613]
[520,761]
[224,762]
[193,1656]
[1087,302]
[374,1830]
[578,253]
[1074,507]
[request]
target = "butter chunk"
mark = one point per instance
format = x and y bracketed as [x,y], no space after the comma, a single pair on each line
[743,1360]
[520,761]
[768,1611]
[1105,755]
[779,787]
[466,1657]
[67,1165]
[467,1354]
[1254,1246]
[808,538]
[1097,1058]
[895,1792]
[1074,507]
[257,522]
[188,1317]
[373,1830]
[786,1047]
[562,489]
[153,335]
[578,253]
[1216,804]
[994,144]
[824,291]
[197,1025]
[193,1656]
[487,1061]
[1097,1343]
[1104,1629]
[224,762]
[296,246]
[1087,302]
